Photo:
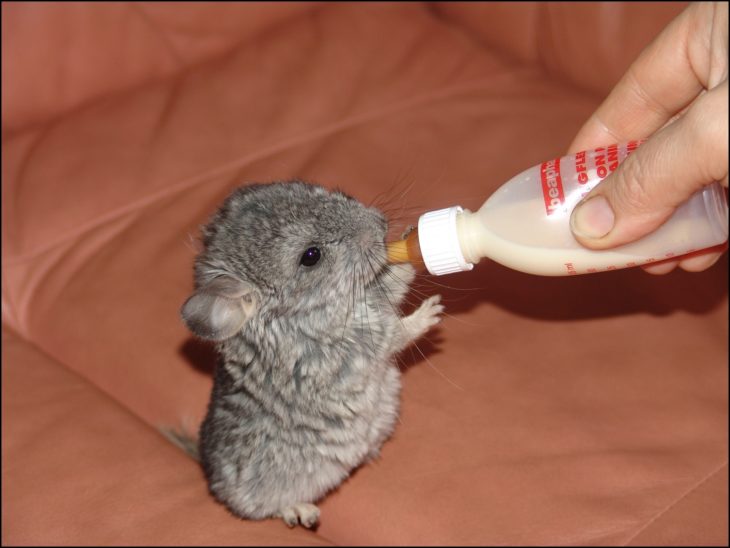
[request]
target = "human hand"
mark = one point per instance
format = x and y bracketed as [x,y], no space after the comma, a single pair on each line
[676,95]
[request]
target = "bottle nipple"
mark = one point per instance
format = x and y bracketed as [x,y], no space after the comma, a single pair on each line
[407,250]
[398,252]
[434,244]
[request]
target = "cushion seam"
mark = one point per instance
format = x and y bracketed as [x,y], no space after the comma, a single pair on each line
[674,503]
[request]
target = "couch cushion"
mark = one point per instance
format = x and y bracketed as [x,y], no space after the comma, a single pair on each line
[79,469]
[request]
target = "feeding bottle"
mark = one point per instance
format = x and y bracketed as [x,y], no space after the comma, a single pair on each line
[525,224]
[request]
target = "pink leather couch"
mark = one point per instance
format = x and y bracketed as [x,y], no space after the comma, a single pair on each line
[575,411]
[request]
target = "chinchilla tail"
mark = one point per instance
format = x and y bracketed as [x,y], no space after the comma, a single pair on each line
[183,440]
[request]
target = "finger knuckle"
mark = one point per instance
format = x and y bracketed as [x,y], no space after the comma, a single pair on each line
[633,190]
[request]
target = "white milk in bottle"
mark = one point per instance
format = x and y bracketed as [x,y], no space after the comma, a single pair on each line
[525,224]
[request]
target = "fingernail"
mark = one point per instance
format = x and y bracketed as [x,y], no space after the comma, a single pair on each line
[593,218]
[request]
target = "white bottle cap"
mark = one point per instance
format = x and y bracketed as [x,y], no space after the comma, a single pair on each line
[439,242]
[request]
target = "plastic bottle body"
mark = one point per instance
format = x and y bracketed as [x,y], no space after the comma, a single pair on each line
[525,224]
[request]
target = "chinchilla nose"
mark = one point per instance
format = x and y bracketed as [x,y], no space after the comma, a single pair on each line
[372,238]
[378,220]
[363,236]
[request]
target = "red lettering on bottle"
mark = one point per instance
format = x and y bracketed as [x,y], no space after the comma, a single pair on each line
[613,153]
[601,169]
[552,185]
[580,167]
[631,146]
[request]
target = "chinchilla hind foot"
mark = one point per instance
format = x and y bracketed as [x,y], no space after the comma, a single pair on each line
[304,513]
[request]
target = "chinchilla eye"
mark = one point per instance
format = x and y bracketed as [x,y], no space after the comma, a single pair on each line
[311,257]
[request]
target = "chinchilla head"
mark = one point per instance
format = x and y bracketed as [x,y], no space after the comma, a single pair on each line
[282,248]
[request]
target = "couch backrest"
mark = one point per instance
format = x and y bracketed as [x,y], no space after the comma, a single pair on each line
[588,44]
[59,56]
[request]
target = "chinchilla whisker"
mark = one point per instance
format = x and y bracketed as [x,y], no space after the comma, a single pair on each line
[193,243]
[378,286]
[432,366]
[387,297]
[349,307]
[427,278]
[384,196]
[383,290]
[401,214]
[407,190]
[351,303]
[380,198]
[400,179]
[365,300]
[414,290]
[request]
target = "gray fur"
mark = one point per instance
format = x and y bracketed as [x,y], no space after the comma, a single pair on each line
[306,388]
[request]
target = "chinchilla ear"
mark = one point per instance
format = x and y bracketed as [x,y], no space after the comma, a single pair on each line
[219,309]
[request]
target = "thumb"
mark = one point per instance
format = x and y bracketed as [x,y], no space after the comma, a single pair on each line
[656,178]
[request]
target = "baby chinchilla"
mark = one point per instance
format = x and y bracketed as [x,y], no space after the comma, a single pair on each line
[293,286]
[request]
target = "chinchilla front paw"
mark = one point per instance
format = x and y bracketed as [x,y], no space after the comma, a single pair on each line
[424,318]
